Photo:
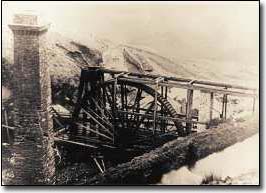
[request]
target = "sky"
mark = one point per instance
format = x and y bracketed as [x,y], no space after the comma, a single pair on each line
[220,30]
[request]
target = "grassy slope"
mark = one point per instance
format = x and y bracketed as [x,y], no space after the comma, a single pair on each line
[204,68]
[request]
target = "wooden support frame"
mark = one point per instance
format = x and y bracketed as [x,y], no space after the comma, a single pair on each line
[179,79]
[224,107]
[155,103]
[166,92]
[165,117]
[191,87]
[103,164]
[136,106]
[146,113]
[211,105]
[94,119]
[253,105]
[57,139]
[98,133]
[101,110]
[105,121]
[7,127]
[155,112]
[156,115]
[98,165]
[189,110]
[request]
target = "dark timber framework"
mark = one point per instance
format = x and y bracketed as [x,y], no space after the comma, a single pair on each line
[123,110]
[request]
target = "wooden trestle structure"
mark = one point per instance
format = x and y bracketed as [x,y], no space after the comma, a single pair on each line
[124,110]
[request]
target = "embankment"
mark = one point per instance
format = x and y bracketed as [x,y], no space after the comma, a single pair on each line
[149,168]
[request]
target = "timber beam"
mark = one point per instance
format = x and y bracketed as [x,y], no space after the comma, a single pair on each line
[178,79]
[191,87]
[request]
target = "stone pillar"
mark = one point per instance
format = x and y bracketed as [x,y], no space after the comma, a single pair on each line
[32,148]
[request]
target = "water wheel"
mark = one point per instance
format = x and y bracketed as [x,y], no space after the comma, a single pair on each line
[122,112]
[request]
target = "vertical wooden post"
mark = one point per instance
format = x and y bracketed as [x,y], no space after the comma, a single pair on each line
[7,129]
[114,109]
[189,110]
[222,115]
[225,107]
[166,91]
[211,105]
[155,110]
[103,91]
[122,96]
[155,103]
[253,107]
[114,93]
[126,105]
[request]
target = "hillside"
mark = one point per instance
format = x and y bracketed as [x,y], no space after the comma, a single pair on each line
[66,57]
[62,67]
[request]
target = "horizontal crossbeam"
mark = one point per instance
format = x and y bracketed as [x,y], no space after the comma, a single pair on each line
[163,117]
[190,86]
[178,79]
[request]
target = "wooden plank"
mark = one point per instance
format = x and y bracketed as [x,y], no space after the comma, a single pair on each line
[80,94]
[166,92]
[96,132]
[189,110]
[140,121]
[103,165]
[92,140]
[222,114]
[253,107]
[101,118]
[109,98]
[225,107]
[192,87]
[126,101]
[94,119]
[102,112]
[163,117]
[8,127]
[98,165]
[158,80]
[74,142]
[61,130]
[179,79]
[122,96]
[136,106]
[155,111]
[211,105]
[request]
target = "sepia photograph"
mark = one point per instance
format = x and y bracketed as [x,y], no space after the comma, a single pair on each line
[130,93]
